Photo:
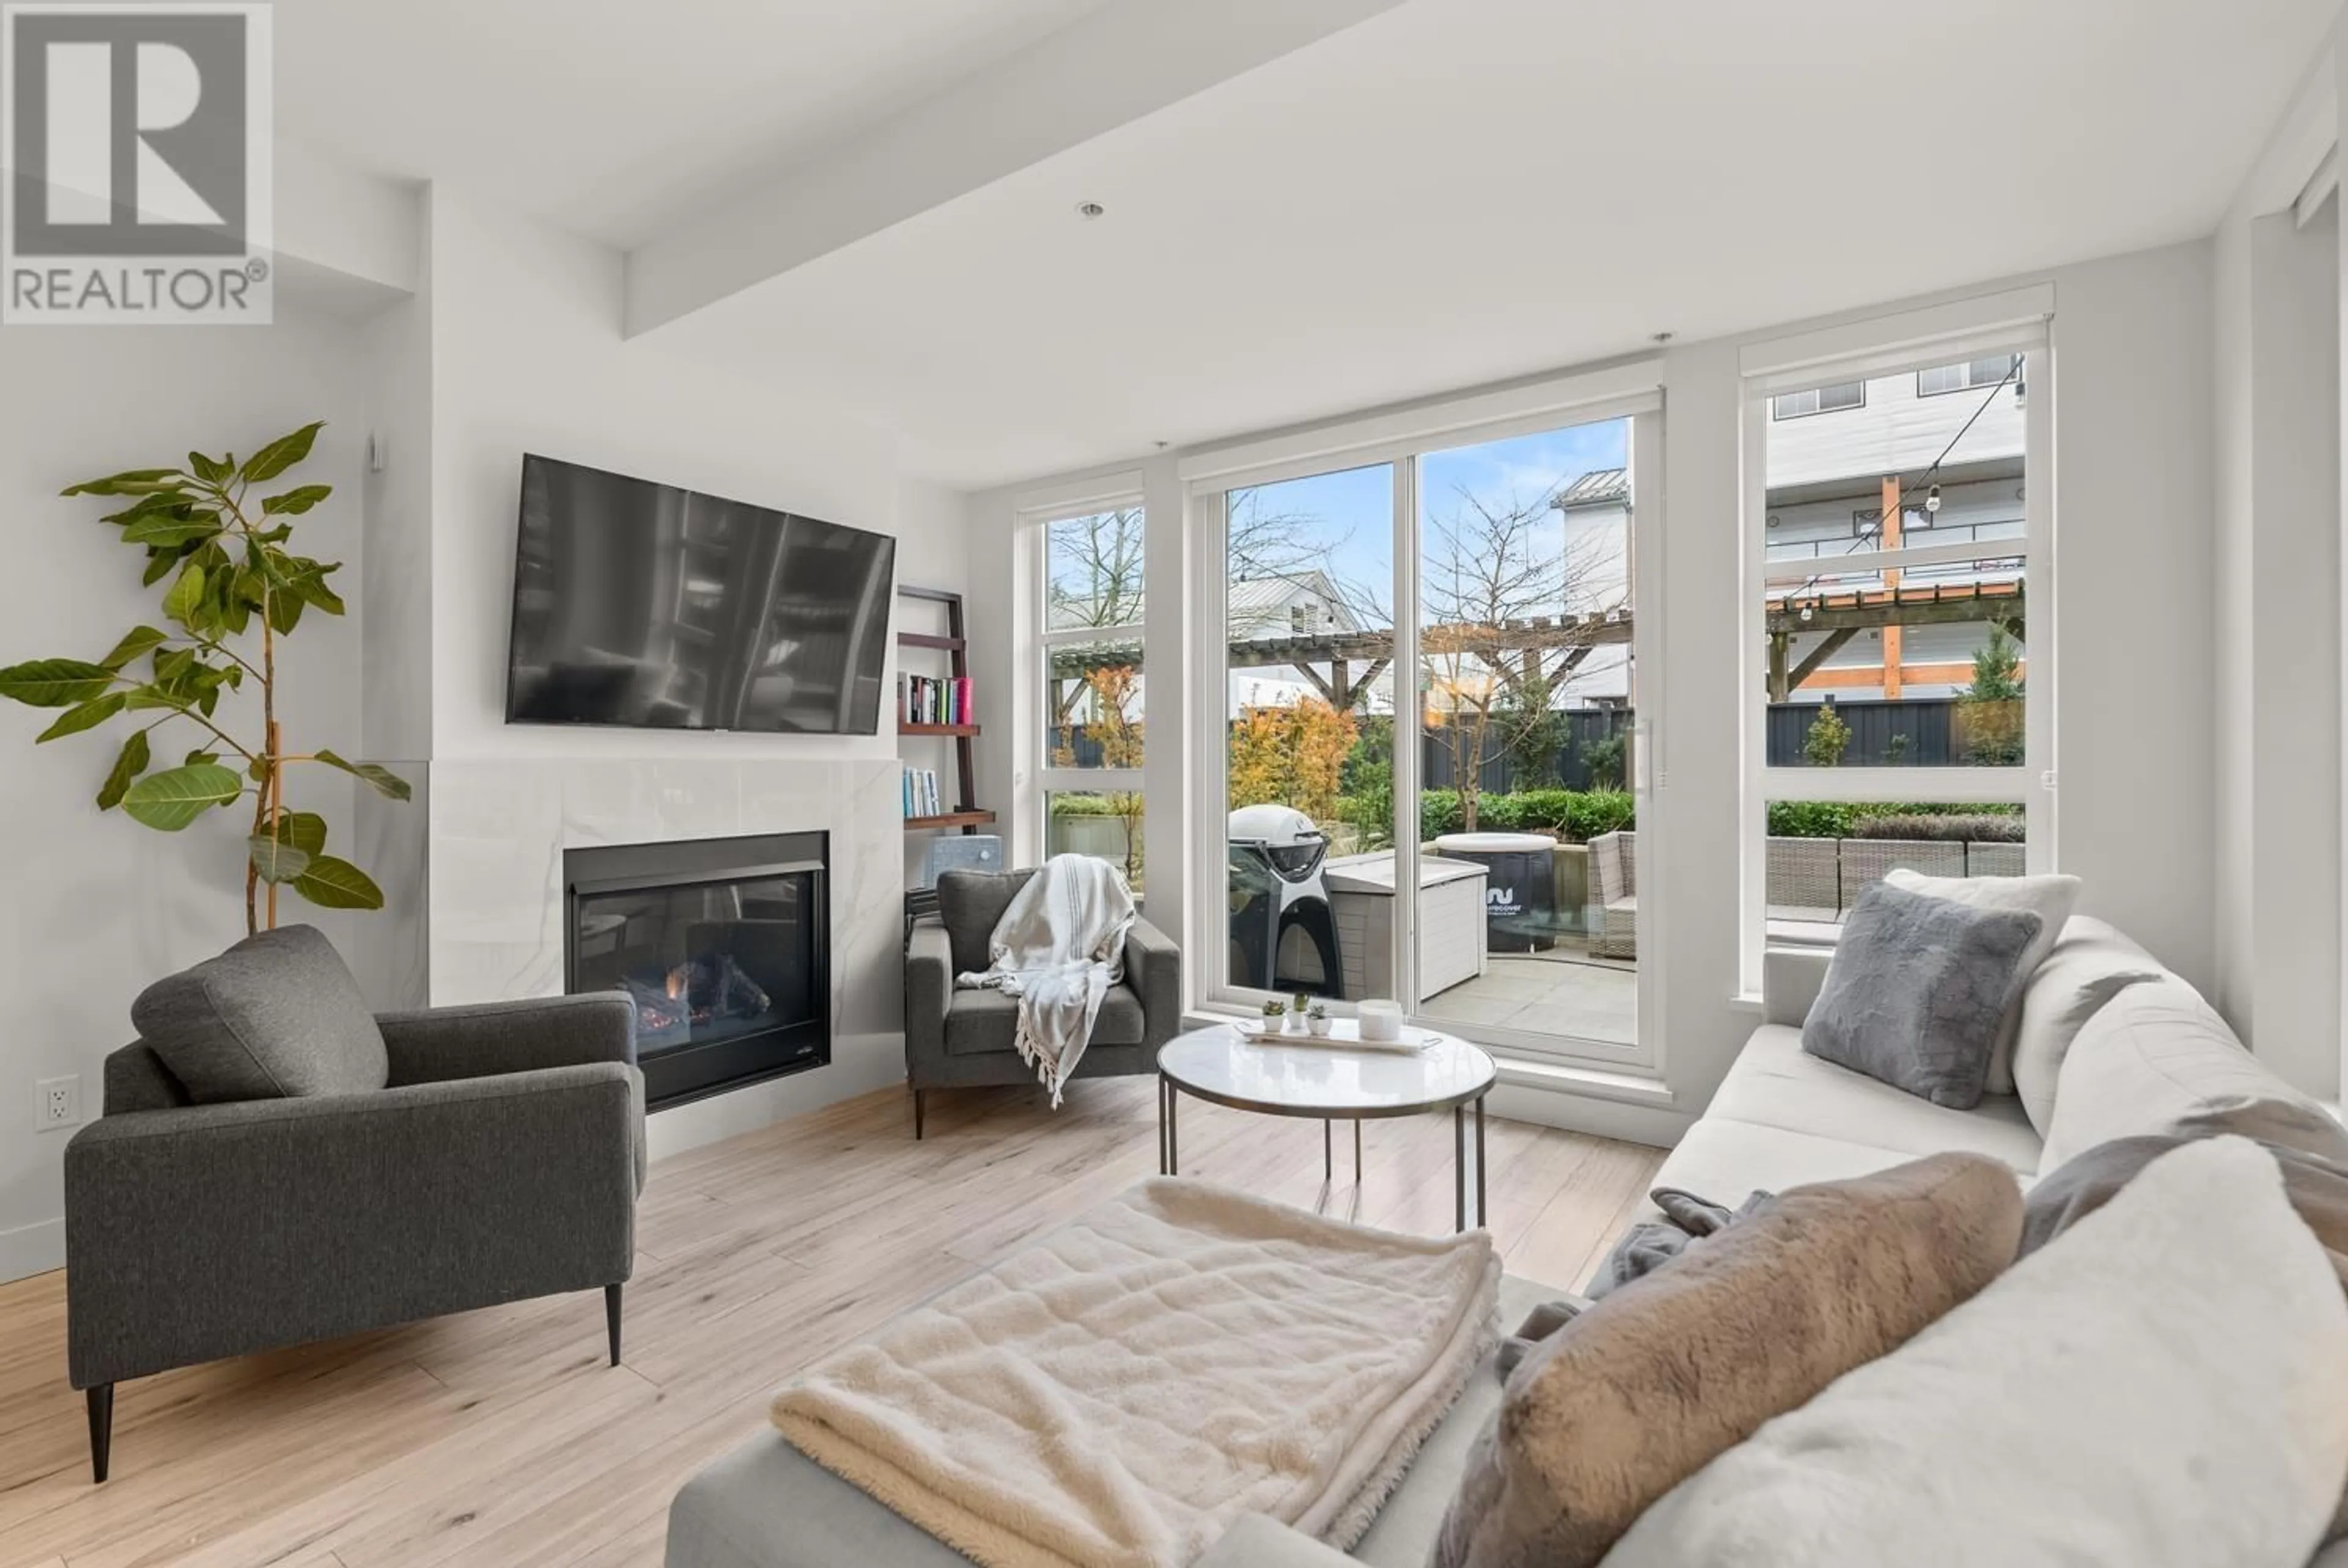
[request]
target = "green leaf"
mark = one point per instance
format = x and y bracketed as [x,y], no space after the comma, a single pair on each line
[285,612]
[145,505]
[333,884]
[159,562]
[172,800]
[83,716]
[281,455]
[187,593]
[210,470]
[294,502]
[172,666]
[135,642]
[274,860]
[55,683]
[130,482]
[311,589]
[386,782]
[129,763]
[164,528]
[305,830]
[203,759]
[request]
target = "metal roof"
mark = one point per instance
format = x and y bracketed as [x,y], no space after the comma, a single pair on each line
[1599,487]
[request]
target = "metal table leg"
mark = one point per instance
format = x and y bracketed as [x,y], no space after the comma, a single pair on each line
[1357,1158]
[1173,1147]
[1458,1168]
[1483,1215]
[1328,1164]
[1161,1124]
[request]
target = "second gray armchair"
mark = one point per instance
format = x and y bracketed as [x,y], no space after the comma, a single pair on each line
[961,1038]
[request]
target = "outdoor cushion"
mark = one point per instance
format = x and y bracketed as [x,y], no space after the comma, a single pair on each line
[2089,965]
[970,906]
[277,1016]
[2051,898]
[1776,1083]
[2151,1057]
[982,1022]
[1918,991]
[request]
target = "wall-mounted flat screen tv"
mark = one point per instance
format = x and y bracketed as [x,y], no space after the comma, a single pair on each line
[643,605]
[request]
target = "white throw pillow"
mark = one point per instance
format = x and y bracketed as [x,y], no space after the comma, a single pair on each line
[2050,898]
[2152,1056]
[2090,964]
[2161,1388]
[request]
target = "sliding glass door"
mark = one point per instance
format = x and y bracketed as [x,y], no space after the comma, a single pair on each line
[1424,711]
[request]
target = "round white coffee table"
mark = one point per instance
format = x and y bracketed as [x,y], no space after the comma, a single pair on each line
[1329,1084]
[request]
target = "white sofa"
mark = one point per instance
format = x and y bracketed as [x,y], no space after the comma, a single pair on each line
[1783,1117]
[1780,1118]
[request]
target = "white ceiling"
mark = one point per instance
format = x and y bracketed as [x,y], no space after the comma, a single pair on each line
[1450,192]
[1461,190]
[618,117]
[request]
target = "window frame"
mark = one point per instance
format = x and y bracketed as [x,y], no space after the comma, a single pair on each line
[1969,384]
[1045,779]
[2033,784]
[1778,416]
[1632,393]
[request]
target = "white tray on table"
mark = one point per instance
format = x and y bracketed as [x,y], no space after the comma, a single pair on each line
[1344,1034]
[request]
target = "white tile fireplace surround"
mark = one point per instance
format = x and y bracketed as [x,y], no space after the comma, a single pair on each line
[499,828]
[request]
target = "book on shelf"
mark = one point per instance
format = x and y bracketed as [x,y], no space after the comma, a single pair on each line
[922,794]
[929,700]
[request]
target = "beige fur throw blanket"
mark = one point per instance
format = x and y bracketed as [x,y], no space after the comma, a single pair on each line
[1116,1393]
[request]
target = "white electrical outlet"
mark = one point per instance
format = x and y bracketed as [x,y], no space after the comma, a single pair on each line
[57,1103]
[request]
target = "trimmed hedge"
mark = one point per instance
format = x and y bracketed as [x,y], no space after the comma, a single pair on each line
[1973,827]
[1843,819]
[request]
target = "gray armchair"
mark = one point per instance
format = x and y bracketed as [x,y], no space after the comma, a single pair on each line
[965,1038]
[275,1165]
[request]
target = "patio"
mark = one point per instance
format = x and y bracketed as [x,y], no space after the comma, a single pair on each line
[1562,992]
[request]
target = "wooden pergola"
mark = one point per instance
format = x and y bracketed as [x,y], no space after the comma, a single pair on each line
[1843,614]
[1340,666]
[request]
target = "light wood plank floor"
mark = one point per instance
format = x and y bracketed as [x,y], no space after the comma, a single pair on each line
[500,1439]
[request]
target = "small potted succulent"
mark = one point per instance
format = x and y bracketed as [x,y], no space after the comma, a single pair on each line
[1276,1017]
[1297,1005]
[1316,1018]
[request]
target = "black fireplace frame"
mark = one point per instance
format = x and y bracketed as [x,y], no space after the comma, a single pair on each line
[679,1077]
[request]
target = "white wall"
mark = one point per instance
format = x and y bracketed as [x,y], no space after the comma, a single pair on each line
[97,906]
[526,356]
[2277,729]
[2132,384]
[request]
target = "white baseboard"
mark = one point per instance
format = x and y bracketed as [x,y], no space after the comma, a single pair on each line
[1658,1126]
[32,1249]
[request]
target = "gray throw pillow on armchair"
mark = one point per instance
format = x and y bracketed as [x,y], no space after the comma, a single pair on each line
[276,1017]
[1918,991]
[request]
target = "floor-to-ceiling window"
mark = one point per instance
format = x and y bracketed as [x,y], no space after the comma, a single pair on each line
[1424,727]
[1898,571]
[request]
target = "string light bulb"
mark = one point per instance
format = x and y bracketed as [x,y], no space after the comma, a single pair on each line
[1933,500]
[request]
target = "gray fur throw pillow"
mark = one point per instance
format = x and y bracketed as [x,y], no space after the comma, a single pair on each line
[1918,990]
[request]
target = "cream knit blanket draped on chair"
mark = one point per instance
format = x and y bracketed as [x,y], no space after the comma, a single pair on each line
[1058,949]
[1116,1393]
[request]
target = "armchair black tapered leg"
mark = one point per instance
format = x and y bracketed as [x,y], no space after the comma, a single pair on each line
[918,1093]
[101,1428]
[612,1319]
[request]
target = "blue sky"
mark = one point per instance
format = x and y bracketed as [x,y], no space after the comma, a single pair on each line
[1347,519]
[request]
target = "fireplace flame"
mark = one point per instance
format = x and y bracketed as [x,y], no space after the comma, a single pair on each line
[678,980]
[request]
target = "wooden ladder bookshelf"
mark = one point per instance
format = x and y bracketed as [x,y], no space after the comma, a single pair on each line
[955,644]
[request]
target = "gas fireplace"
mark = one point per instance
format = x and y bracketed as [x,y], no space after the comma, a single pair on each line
[723,945]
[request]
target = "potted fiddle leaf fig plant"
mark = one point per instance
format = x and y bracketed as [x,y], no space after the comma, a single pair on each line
[236,593]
